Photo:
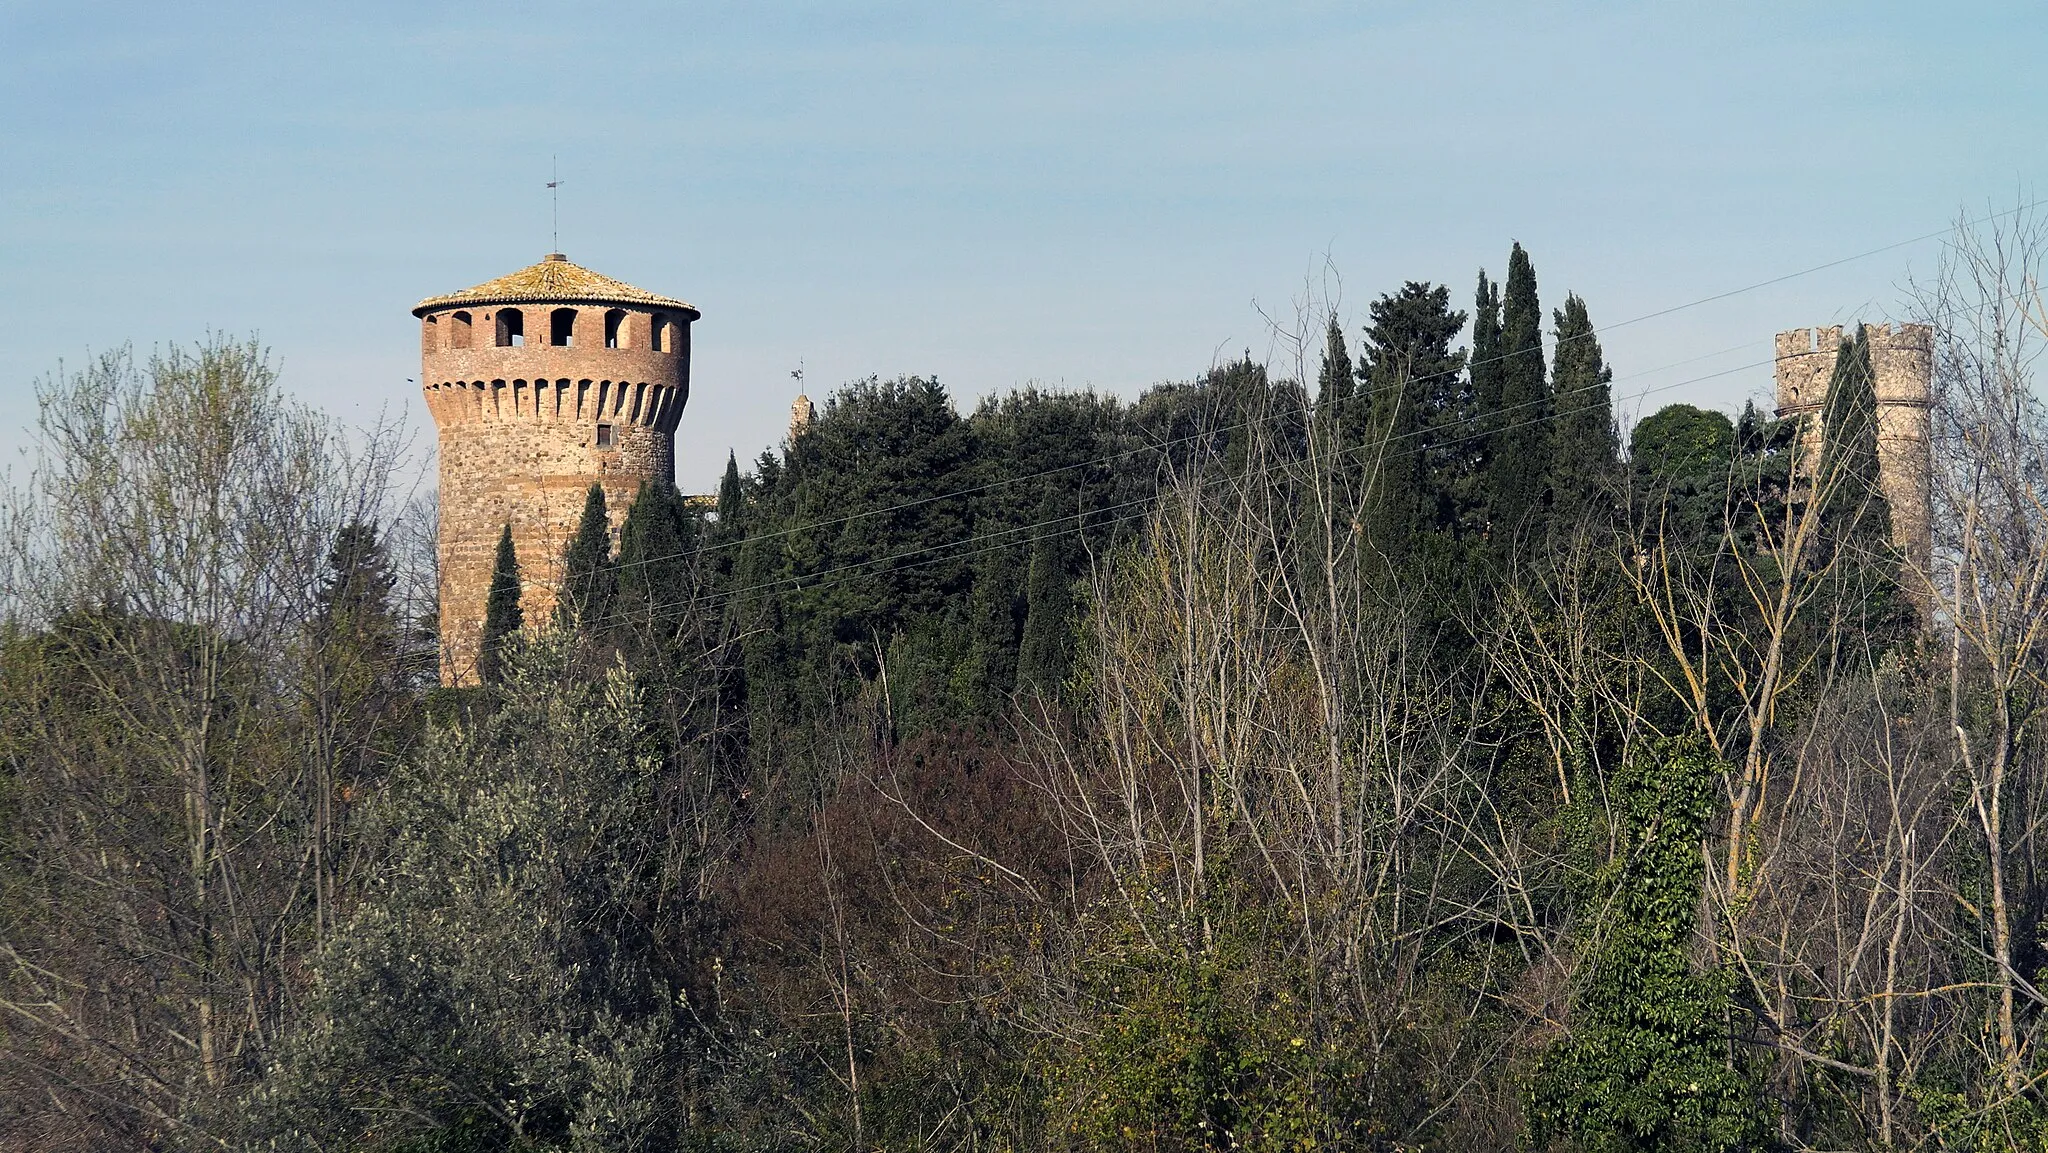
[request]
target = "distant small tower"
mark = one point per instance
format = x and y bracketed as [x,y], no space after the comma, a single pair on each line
[801,413]
[542,383]
[1902,360]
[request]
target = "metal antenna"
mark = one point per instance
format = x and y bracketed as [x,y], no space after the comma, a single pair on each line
[555,187]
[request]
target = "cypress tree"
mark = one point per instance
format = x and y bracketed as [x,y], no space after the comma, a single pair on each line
[1486,349]
[502,616]
[1585,462]
[1043,654]
[730,527]
[587,575]
[656,547]
[1862,584]
[1520,454]
[1335,384]
[1473,440]
[1410,373]
[989,671]
[1854,499]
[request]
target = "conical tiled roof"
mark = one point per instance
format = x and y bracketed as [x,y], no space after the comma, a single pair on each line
[555,280]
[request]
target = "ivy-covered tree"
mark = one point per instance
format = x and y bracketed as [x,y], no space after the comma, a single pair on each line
[1679,458]
[503,617]
[1647,1063]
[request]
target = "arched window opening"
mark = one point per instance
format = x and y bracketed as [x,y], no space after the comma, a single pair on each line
[458,330]
[615,328]
[562,327]
[607,436]
[661,336]
[511,328]
[430,334]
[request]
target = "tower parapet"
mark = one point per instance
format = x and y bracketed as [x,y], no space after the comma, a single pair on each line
[542,383]
[1902,362]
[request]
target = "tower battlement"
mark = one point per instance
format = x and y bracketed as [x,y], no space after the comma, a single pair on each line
[542,383]
[1902,362]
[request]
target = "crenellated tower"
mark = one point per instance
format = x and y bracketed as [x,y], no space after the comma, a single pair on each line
[1902,360]
[542,383]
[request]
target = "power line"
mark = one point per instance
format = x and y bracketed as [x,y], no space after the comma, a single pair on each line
[1159,446]
[1070,523]
[1075,522]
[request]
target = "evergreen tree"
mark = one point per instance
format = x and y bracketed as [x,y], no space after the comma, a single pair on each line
[1520,452]
[1413,379]
[1585,465]
[587,574]
[657,546]
[1853,498]
[989,671]
[1681,456]
[1044,653]
[502,616]
[1474,439]
[1335,385]
[730,528]
[355,628]
[1862,598]
[1486,366]
[356,592]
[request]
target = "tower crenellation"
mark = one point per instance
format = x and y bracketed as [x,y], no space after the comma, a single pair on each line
[542,383]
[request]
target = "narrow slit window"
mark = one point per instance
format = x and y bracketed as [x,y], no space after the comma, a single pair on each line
[615,328]
[511,328]
[607,436]
[562,328]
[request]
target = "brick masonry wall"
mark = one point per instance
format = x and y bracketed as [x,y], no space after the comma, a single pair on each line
[519,432]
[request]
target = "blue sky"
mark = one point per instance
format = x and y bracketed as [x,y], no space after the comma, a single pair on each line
[1104,194]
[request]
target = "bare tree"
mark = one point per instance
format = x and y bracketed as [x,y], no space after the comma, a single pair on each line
[165,562]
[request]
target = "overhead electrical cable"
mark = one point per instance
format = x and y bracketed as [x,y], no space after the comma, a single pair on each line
[1158,446]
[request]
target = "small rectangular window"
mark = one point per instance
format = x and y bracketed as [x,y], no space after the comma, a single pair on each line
[607,436]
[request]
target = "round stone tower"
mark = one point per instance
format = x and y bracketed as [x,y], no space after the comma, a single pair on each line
[542,383]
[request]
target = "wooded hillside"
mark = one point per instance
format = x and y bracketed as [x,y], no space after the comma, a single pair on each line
[1364,755]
